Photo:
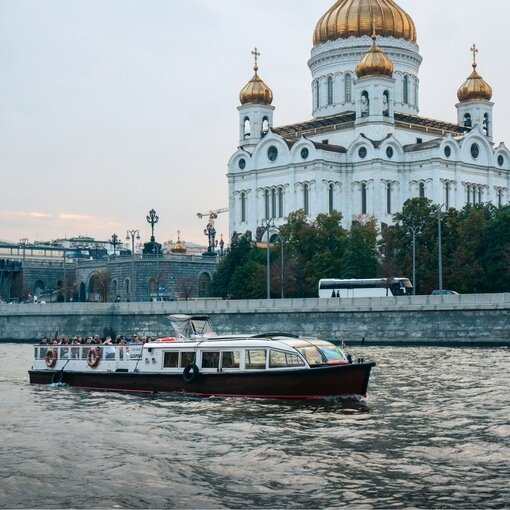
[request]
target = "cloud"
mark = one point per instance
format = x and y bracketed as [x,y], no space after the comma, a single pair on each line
[26,214]
[74,217]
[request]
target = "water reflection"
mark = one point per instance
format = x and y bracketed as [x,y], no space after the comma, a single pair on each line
[433,433]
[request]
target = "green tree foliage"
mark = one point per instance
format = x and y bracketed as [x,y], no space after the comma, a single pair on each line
[475,252]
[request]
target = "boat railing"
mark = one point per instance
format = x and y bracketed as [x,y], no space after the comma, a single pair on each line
[81,352]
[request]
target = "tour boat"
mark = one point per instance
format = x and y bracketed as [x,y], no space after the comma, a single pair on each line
[196,361]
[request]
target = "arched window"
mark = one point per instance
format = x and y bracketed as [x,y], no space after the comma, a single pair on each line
[266,197]
[486,126]
[480,195]
[203,284]
[348,88]
[265,126]
[447,195]
[422,190]
[364,104]
[363,198]
[246,128]
[127,287]
[280,202]
[317,94]
[330,198]
[388,198]
[273,203]
[467,120]
[468,194]
[474,194]
[500,197]
[405,89]
[306,199]
[243,207]
[386,104]
[416,94]
[330,90]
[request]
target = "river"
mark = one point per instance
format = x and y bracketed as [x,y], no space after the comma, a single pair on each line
[435,433]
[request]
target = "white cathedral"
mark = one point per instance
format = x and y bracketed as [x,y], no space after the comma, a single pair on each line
[366,150]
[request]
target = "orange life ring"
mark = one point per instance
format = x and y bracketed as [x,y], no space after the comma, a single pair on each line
[167,339]
[93,357]
[50,358]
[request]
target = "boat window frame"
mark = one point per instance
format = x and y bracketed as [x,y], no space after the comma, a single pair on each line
[286,366]
[258,367]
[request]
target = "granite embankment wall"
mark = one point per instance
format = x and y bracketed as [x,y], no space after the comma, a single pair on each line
[478,318]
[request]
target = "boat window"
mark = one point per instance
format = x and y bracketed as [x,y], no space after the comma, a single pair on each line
[64,353]
[211,359]
[231,359]
[186,358]
[313,355]
[279,359]
[171,360]
[255,359]
[332,352]
[42,352]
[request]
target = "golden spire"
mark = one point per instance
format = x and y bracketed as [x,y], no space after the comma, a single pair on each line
[475,88]
[179,246]
[256,91]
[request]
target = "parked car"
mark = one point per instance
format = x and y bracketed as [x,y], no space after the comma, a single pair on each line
[443,292]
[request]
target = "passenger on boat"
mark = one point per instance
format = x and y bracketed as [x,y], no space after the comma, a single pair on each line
[135,339]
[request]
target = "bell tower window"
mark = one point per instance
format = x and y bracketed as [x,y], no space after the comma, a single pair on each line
[364,104]
[348,88]
[246,128]
[317,94]
[486,130]
[386,104]
[330,90]
[265,126]
[467,120]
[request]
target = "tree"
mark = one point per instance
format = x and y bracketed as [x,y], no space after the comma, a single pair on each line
[102,283]
[185,287]
[360,259]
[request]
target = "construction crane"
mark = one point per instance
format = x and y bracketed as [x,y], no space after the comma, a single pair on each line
[213,214]
[209,230]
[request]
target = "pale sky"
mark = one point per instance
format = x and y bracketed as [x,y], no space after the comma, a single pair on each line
[109,108]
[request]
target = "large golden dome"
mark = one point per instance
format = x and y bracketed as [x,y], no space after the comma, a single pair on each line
[256,91]
[475,88]
[374,63]
[355,18]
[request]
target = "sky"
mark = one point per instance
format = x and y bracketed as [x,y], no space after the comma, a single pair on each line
[111,108]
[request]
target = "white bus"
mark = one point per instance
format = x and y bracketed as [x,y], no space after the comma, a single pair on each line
[368,287]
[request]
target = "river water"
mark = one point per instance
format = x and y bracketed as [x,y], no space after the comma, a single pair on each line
[434,434]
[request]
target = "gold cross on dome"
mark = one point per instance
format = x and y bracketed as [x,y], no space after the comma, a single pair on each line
[256,54]
[474,51]
[178,235]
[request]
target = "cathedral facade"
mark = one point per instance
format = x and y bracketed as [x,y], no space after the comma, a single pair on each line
[366,149]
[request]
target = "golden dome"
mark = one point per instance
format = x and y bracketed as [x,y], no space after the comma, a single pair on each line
[179,246]
[354,18]
[374,63]
[256,91]
[475,88]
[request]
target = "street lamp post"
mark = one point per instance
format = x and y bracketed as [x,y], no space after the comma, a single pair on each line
[131,235]
[267,224]
[115,242]
[152,219]
[414,231]
[23,241]
[156,250]
[439,213]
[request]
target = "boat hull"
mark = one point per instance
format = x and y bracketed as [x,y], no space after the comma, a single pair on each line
[348,380]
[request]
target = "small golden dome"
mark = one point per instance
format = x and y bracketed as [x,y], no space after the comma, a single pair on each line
[179,246]
[475,88]
[353,18]
[256,91]
[374,63]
